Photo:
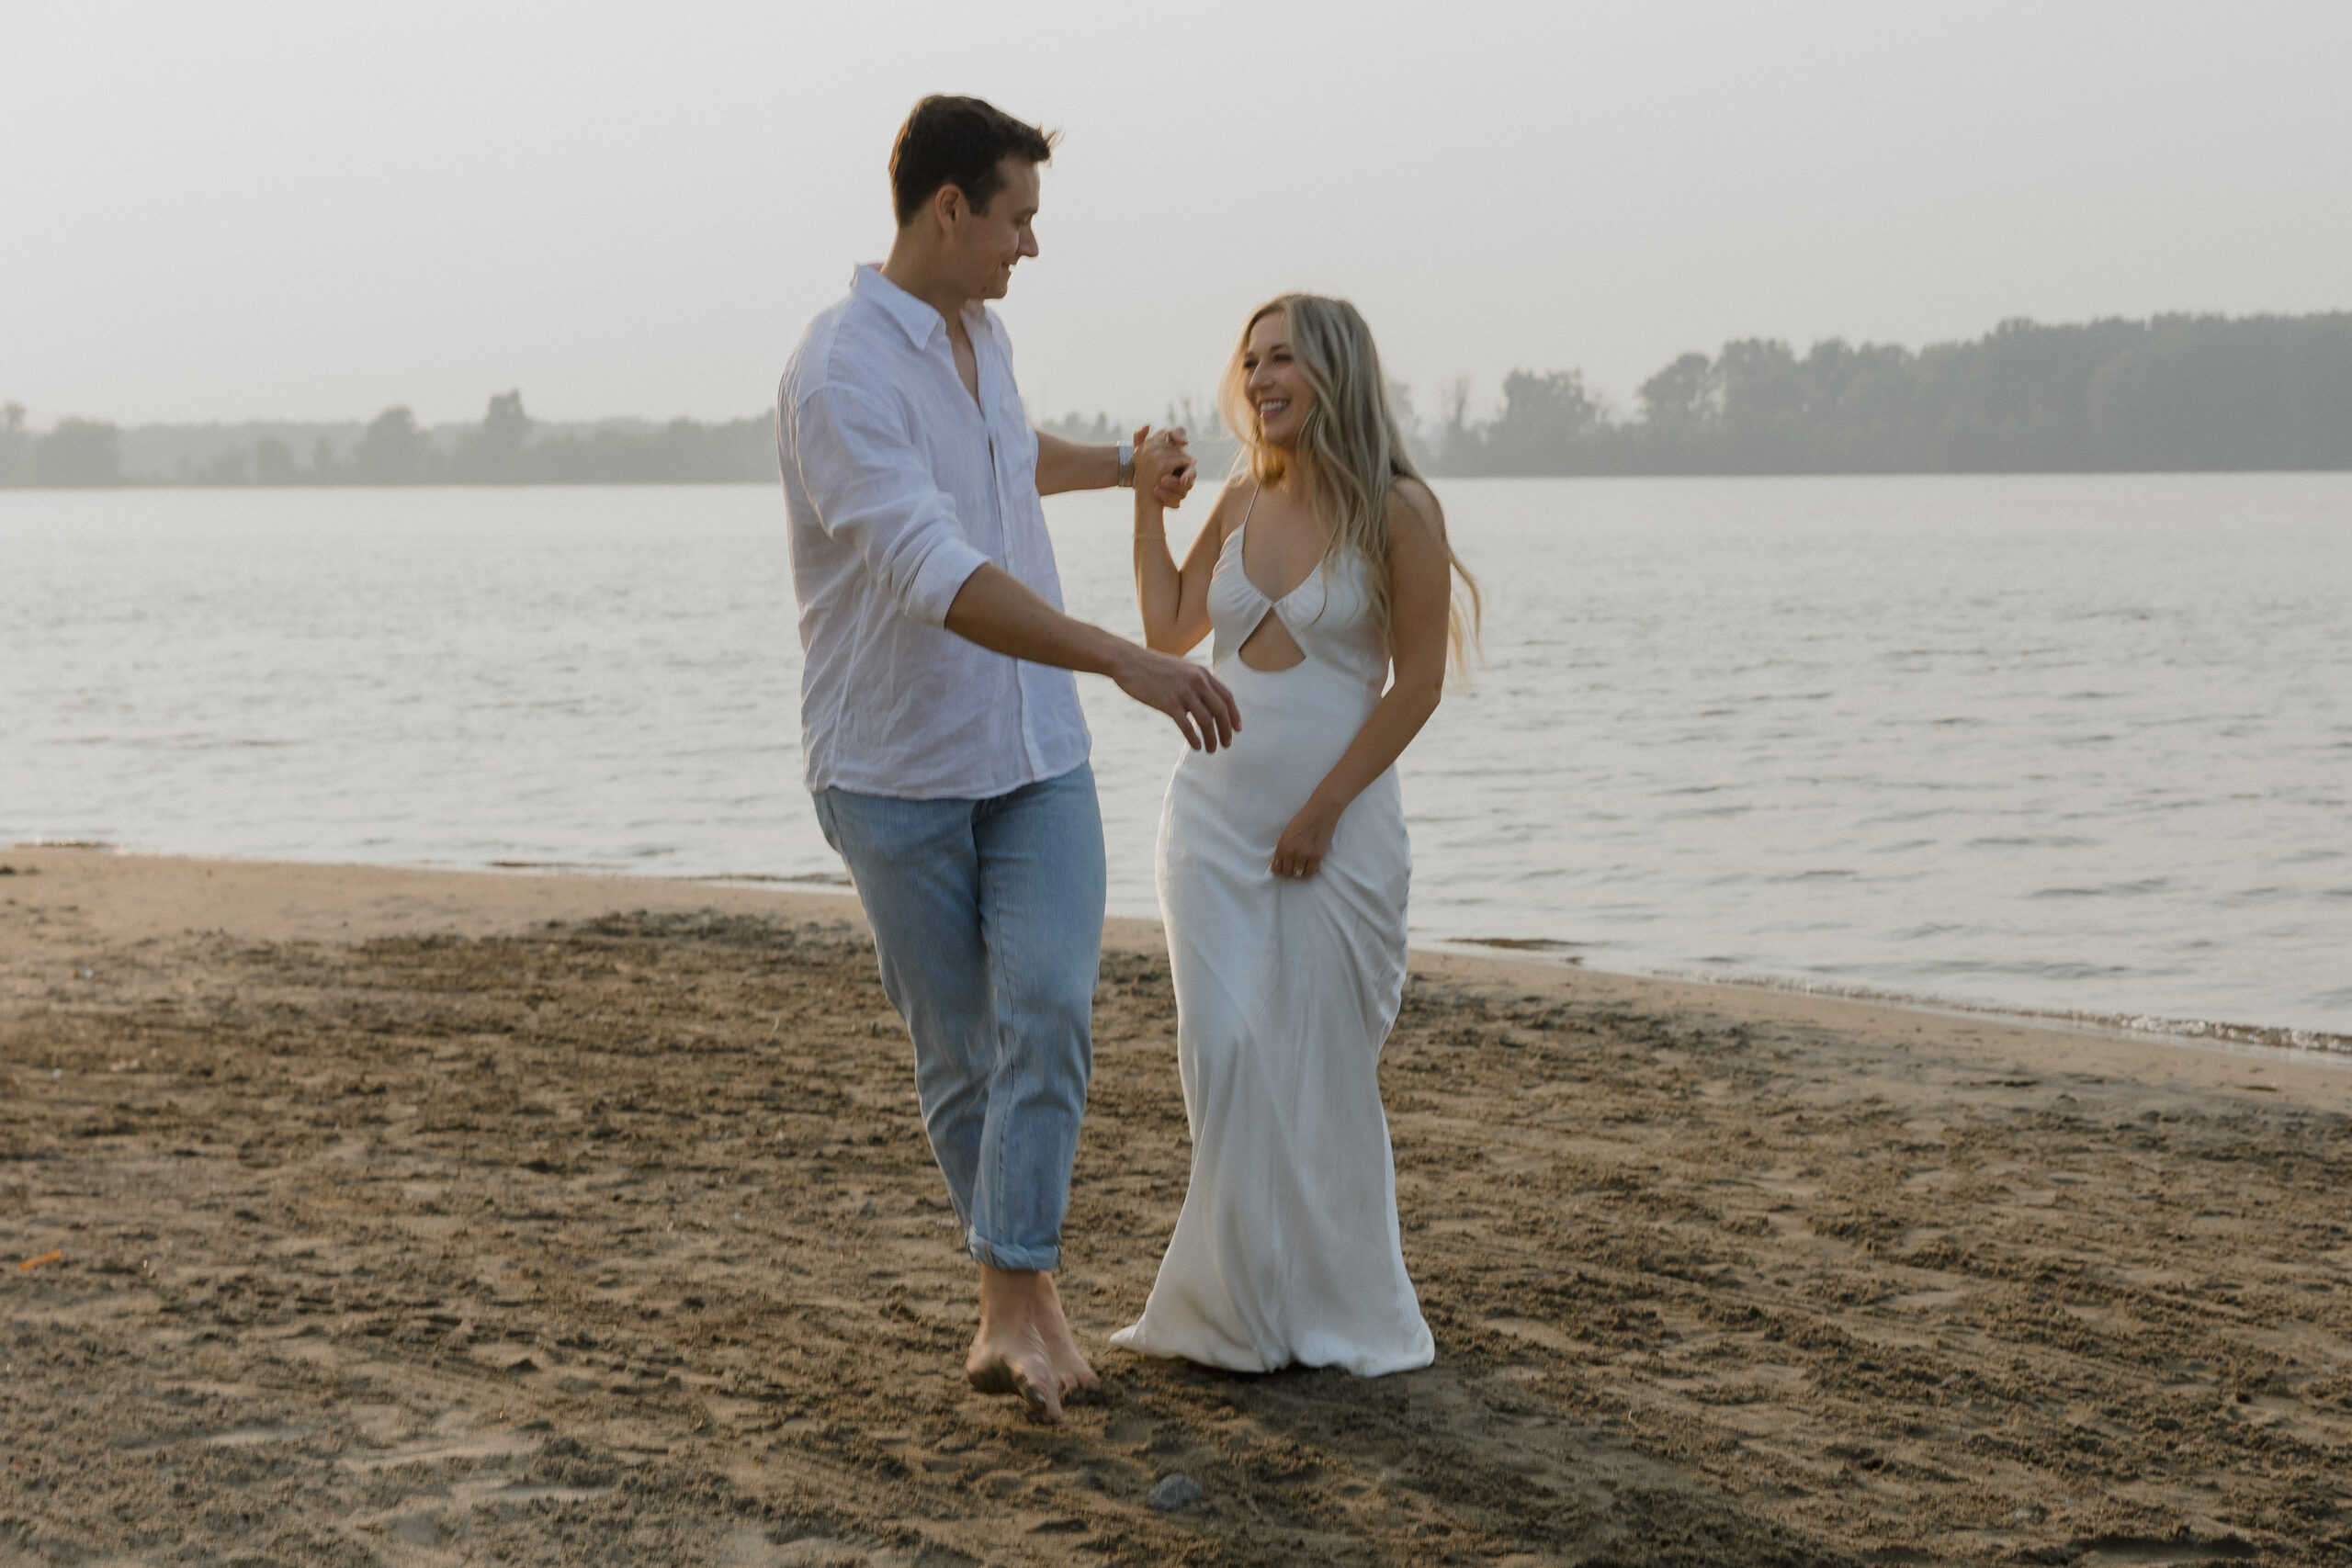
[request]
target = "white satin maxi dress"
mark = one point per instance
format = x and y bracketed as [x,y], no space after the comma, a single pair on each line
[1286,1249]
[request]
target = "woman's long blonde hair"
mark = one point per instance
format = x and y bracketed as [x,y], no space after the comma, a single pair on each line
[1351,449]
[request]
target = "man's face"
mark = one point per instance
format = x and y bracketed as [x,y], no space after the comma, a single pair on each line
[984,246]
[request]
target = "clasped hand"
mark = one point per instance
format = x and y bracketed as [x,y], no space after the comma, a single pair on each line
[1164,466]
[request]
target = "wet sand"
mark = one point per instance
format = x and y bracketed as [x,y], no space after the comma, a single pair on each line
[424,1218]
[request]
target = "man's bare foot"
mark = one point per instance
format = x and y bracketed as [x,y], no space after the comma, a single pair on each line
[1008,1354]
[1071,1371]
[1022,1368]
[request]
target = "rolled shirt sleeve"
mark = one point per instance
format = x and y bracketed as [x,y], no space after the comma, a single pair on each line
[872,489]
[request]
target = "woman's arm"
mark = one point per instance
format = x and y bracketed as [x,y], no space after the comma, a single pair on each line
[1175,601]
[1420,591]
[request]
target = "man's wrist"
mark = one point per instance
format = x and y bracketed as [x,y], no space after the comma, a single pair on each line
[1116,658]
[1124,455]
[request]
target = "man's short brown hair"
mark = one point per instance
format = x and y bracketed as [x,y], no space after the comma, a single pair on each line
[961,142]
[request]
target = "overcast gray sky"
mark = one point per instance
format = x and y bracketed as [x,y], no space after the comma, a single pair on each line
[223,209]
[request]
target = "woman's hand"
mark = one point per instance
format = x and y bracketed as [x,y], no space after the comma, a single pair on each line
[1164,467]
[1306,840]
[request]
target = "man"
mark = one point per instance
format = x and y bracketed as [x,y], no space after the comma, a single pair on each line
[944,744]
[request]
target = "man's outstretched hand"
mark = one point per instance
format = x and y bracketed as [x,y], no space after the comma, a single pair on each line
[1204,710]
[1164,464]
[1003,614]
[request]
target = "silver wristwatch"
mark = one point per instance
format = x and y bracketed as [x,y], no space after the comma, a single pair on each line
[1126,465]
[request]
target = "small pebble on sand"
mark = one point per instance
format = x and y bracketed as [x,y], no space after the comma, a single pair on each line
[1174,1492]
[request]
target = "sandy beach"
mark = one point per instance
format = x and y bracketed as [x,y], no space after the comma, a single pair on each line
[424,1218]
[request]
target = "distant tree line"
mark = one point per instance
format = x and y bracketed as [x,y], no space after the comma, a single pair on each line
[2175,392]
[506,447]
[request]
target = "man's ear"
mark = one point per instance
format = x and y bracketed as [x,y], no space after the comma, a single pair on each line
[948,208]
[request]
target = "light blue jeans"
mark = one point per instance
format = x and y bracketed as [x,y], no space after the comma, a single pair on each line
[987,915]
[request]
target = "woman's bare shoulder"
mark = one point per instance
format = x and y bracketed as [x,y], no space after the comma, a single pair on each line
[1412,504]
[1231,504]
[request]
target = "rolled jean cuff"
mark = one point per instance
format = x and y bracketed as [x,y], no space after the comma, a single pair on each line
[1016,1258]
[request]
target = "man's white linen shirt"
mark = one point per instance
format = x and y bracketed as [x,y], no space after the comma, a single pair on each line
[897,488]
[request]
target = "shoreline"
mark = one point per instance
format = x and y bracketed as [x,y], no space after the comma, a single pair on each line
[1507,957]
[2161,1029]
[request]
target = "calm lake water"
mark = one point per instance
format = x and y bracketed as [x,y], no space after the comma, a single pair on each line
[2077,743]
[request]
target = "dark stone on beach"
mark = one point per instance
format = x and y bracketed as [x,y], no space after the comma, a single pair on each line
[1173,1492]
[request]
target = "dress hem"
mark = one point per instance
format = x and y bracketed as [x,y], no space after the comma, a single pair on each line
[1383,1368]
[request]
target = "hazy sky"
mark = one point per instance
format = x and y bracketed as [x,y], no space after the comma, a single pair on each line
[222,209]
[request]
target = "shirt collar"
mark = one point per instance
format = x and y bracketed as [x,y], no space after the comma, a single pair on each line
[917,320]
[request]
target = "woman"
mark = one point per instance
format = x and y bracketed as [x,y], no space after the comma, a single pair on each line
[1324,574]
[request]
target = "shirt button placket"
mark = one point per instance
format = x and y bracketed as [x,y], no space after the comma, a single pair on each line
[1009,536]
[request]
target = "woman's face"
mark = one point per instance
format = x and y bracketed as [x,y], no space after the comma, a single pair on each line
[1276,388]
